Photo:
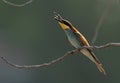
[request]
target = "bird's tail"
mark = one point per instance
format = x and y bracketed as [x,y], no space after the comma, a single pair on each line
[93,58]
[100,68]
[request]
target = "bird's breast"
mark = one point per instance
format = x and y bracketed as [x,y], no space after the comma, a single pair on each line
[72,38]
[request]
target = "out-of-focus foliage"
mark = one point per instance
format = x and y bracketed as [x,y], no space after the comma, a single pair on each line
[30,35]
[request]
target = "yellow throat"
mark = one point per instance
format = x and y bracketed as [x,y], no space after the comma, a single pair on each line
[63,26]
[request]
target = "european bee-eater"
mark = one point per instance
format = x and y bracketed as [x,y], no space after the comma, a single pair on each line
[77,40]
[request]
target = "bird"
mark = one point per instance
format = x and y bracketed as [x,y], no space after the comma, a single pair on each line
[77,40]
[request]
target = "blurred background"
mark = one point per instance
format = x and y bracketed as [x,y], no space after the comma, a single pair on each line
[29,35]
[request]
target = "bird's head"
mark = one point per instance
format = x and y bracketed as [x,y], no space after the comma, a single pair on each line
[63,23]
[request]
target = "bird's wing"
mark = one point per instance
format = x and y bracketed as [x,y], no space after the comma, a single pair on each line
[89,52]
[82,39]
[84,42]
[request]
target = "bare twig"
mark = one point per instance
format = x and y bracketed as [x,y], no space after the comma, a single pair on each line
[41,65]
[18,5]
[58,59]
[105,45]
[104,14]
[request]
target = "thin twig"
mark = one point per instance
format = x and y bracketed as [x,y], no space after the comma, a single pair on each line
[40,65]
[18,5]
[58,59]
[104,14]
[105,46]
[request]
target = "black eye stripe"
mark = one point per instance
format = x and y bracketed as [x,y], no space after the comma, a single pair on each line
[66,23]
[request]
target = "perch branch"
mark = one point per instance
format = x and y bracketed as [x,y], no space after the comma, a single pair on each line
[40,65]
[58,59]
[18,5]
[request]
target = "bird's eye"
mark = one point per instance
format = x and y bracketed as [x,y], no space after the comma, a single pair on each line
[66,23]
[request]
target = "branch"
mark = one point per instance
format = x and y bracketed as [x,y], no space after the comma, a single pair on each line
[18,5]
[105,45]
[40,65]
[104,14]
[58,59]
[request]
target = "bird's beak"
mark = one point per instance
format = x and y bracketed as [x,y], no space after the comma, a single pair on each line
[60,21]
[58,18]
